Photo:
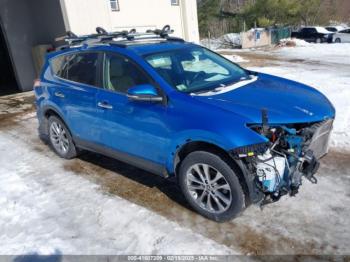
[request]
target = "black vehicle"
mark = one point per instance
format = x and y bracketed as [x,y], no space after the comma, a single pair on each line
[314,34]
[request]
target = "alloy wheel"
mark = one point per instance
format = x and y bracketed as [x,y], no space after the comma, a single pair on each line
[58,137]
[209,188]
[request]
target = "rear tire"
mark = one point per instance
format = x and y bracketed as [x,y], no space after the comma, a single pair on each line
[318,40]
[211,186]
[338,40]
[60,139]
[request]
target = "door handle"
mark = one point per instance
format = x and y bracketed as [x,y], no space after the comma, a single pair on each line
[104,105]
[59,94]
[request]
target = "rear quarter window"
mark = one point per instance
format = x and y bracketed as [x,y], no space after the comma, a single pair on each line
[78,67]
[313,31]
[57,65]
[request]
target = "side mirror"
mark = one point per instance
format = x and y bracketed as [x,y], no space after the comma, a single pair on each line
[146,93]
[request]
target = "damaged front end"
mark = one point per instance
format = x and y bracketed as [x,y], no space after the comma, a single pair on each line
[293,152]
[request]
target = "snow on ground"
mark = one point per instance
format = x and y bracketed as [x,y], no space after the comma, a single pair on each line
[297,42]
[317,218]
[227,41]
[235,58]
[48,210]
[326,53]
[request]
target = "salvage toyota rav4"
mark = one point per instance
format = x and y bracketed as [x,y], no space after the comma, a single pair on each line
[230,136]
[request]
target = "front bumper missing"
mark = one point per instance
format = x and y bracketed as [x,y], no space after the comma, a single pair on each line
[319,143]
[299,163]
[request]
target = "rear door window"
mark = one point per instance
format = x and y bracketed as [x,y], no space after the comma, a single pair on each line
[79,67]
[304,31]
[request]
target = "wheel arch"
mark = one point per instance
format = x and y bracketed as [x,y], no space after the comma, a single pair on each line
[192,146]
[47,112]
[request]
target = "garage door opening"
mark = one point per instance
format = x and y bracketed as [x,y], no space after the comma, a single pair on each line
[8,83]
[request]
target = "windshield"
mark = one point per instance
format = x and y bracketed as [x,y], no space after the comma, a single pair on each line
[195,69]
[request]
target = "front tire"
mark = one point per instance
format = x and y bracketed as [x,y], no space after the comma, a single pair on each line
[338,40]
[211,186]
[318,40]
[60,139]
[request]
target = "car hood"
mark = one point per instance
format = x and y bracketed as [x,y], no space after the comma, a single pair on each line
[286,101]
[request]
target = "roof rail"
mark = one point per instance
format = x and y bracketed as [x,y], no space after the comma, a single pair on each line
[102,36]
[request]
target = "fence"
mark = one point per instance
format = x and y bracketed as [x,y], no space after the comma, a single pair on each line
[280,33]
[260,37]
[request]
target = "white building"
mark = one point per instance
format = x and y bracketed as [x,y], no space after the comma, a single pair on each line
[115,15]
[25,24]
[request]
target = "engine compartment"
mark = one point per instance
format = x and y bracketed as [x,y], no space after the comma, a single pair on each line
[293,152]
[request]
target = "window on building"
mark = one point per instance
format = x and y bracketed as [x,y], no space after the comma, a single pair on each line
[114,5]
[175,2]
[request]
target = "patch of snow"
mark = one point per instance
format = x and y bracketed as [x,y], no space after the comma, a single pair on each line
[233,39]
[257,29]
[330,53]
[46,209]
[228,41]
[317,216]
[300,42]
[292,42]
[235,58]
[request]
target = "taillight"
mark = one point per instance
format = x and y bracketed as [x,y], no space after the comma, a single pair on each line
[51,49]
[37,83]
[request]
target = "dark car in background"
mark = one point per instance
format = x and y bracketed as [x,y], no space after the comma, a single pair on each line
[314,34]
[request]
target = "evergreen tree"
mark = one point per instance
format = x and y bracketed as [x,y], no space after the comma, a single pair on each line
[227,16]
[208,10]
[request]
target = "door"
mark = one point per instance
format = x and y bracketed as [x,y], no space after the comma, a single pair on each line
[345,36]
[75,89]
[304,34]
[312,35]
[132,128]
[8,83]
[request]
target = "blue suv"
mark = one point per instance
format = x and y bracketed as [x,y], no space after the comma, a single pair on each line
[230,136]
